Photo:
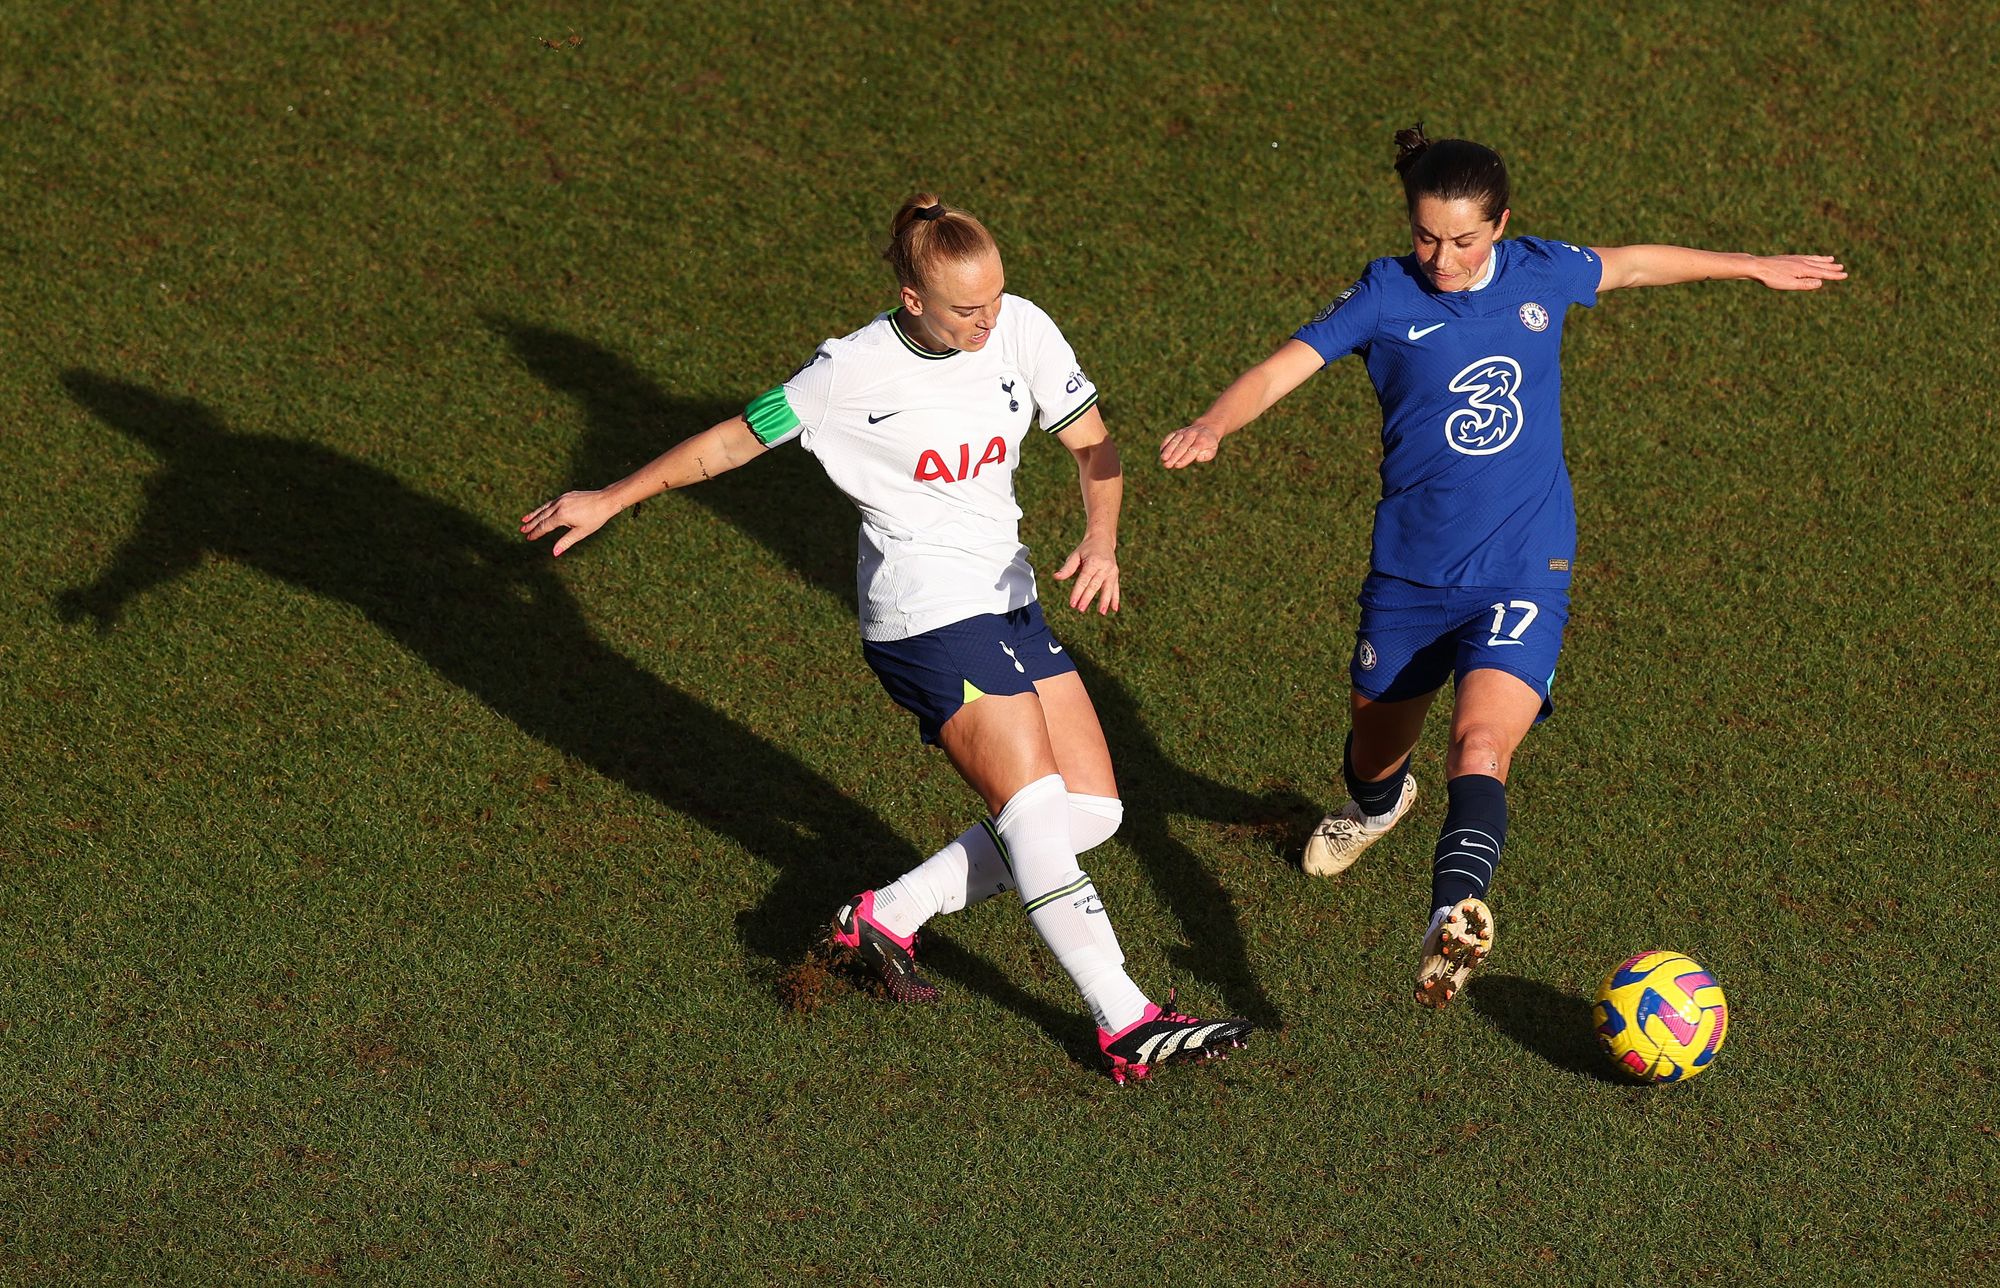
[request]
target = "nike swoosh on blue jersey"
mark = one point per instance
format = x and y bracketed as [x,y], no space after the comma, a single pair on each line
[1418,335]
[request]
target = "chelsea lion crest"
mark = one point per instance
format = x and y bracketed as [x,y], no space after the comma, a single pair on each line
[1364,656]
[1534,316]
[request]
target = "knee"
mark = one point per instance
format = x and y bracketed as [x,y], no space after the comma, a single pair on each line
[1093,819]
[1480,749]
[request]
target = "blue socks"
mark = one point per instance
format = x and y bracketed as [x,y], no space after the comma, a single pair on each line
[1375,799]
[1475,826]
[1468,849]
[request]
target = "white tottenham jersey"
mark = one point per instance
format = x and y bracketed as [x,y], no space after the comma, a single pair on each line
[925,445]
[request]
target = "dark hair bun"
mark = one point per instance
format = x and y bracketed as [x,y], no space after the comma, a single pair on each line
[1410,144]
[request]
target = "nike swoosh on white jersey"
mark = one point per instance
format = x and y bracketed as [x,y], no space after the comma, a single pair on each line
[1418,335]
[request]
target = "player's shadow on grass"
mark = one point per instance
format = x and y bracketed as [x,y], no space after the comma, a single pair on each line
[786,504]
[489,614]
[1555,1025]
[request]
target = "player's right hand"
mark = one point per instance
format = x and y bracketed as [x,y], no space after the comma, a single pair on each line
[581,512]
[1186,446]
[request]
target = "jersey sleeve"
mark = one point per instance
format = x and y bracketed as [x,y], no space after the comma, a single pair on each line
[1577,269]
[1347,323]
[1061,391]
[782,412]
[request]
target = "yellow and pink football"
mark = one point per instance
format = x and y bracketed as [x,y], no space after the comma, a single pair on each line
[1661,1017]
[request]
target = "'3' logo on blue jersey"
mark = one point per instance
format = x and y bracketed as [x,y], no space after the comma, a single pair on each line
[1490,420]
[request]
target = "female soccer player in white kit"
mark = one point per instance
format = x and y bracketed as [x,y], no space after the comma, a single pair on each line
[919,418]
[1475,535]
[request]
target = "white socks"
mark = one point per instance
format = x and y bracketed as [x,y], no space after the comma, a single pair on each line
[966,871]
[1032,847]
[970,868]
[1092,820]
[1063,904]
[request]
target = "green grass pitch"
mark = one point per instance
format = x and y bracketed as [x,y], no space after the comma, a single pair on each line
[386,902]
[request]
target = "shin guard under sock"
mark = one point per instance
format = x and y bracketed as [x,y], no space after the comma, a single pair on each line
[1062,903]
[1468,848]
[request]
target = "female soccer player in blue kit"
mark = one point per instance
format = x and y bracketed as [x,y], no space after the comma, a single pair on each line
[1475,533]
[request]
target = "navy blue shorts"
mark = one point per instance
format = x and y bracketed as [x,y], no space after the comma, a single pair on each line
[933,674]
[1412,637]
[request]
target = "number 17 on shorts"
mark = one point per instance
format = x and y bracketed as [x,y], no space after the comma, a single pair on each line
[1414,638]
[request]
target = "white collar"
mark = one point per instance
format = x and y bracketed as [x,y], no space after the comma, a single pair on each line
[1492,264]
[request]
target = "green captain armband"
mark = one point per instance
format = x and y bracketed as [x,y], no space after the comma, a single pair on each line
[770,416]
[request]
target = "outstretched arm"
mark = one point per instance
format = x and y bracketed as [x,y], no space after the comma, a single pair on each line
[1250,396]
[1094,562]
[1668,265]
[713,451]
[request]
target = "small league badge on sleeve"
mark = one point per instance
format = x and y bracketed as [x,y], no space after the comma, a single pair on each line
[1338,300]
[817,355]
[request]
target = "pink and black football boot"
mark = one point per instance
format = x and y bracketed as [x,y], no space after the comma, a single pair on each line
[1163,1035]
[890,958]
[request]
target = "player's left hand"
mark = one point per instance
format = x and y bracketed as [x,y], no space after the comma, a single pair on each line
[1094,564]
[1798,272]
[1184,447]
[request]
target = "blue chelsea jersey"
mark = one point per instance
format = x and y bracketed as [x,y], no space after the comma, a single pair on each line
[1474,489]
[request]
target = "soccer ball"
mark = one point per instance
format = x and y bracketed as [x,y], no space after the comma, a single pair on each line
[1661,1017]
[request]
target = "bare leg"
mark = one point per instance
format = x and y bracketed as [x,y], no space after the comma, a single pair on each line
[1082,757]
[970,869]
[1492,714]
[999,745]
[1385,733]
